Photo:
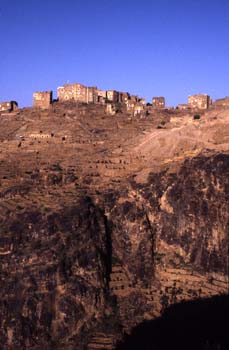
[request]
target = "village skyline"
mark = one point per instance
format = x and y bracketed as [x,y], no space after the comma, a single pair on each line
[134,104]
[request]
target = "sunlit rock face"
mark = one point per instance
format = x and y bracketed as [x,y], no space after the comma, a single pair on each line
[91,245]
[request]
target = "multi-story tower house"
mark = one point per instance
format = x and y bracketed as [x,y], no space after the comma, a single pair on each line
[77,92]
[92,94]
[158,102]
[112,96]
[199,101]
[42,99]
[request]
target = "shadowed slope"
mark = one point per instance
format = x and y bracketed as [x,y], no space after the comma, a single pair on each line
[199,324]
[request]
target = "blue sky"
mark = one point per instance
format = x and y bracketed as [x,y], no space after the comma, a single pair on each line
[151,48]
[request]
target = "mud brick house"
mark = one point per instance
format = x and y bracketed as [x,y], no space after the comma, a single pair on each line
[199,101]
[8,106]
[112,96]
[158,102]
[42,99]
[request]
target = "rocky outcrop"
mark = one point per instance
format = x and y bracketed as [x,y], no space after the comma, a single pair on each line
[172,241]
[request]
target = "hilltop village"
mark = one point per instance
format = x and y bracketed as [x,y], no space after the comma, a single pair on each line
[113,100]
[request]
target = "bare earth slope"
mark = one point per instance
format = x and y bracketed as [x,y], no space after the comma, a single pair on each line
[106,221]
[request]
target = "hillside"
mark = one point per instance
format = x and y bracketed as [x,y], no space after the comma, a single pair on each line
[106,221]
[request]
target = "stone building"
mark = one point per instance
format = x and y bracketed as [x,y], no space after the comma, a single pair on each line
[158,102]
[77,92]
[102,93]
[134,98]
[183,106]
[222,102]
[139,109]
[112,96]
[142,101]
[39,135]
[8,106]
[130,105]
[124,97]
[199,101]
[102,96]
[81,93]
[42,99]
[92,94]
[110,109]
[74,92]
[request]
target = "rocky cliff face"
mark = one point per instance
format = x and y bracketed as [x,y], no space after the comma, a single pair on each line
[172,241]
[55,269]
[79,267]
